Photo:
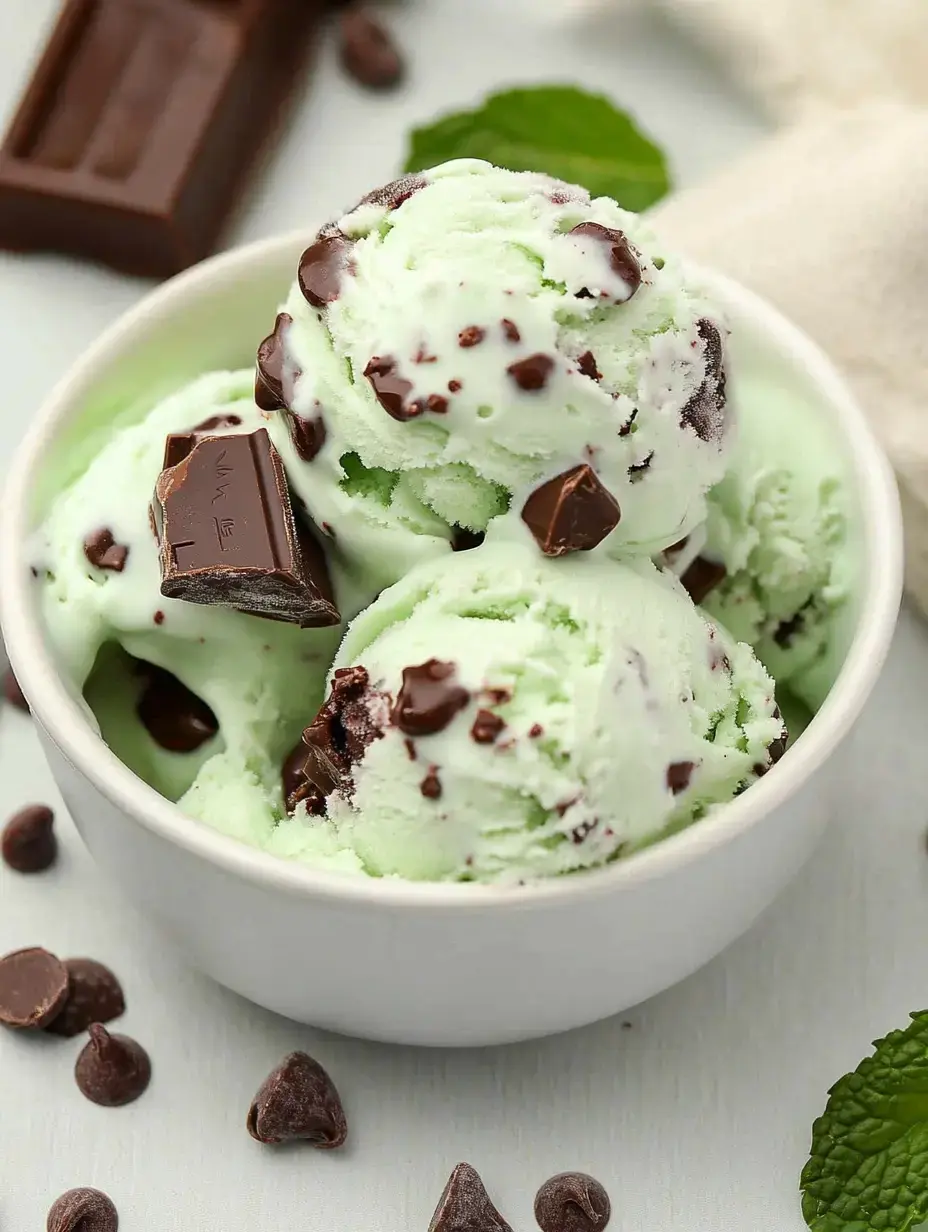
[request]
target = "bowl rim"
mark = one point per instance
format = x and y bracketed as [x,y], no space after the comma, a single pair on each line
[60,716]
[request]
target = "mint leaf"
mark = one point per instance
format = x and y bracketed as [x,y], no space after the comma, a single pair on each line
[868,1171]
[575,136]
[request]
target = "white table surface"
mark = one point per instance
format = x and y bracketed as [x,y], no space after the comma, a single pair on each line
[695,1109]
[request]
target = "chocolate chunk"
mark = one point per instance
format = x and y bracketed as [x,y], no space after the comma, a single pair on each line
[269,379]
[532,374]
[215,422]
[587,365]
[33,988]
[308,435]
[702,577]
[94,995]
[571,513]
[511,330]
[103,552]
[704,412]
[471,336]
[431,784]
[158,617]
[464,540]
[112,1070]
[454,386]
[572,1202]
[298,1102]
[391,389]
[83,1210]
[228,536]
[465,1206]
[133,141]
[535,731]
[622,257]
[428,699]
[786,630]
[322,269]
[391,196]
[368,52]
[12,692]
[486,727]
[175,718]
[638,470]
[679,774]
[352,717]
[29,844]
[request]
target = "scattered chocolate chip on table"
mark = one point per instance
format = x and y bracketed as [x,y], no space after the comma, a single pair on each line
[33,988]
[94,995]
[112,1070]
[572,1202]
[298,1101]
[28,843]
[83,1210]
[465,1205]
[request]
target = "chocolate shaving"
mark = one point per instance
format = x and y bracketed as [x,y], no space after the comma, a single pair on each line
[571,513]
[704,412]
[623,259]
[391,196]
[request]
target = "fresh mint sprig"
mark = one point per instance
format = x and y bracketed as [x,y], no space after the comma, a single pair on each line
[578,137]
[868,1170]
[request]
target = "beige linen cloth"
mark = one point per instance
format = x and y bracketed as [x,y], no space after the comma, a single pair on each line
[829,217]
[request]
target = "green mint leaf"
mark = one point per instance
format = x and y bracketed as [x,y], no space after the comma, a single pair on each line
[868,1170]
[565,132]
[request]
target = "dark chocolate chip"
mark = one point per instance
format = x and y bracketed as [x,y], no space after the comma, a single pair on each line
[464,540]
[465,1206]
[638,470]
[368,51]
[322,268]
[177,446]
[704,412]
[622,257]
[454,386]
[175,718]
[486,727]
[112,1070]
[83,1210]
[390,388]
[587,365]
[436,403]
[429,698]
[103,552]
[572,1202]
[33,988]
[511,330]
[298,1102]
[579,834]
[391,196]
[702,577]
[679,774]
[532,374]
[308,435]
[158,617]
[431,784]
[94,995]
[29,844]
[571,513]
[471,336]
[535,731]
[269,380]
[12,692]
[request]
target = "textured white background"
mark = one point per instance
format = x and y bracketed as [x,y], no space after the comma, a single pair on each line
[695,1109]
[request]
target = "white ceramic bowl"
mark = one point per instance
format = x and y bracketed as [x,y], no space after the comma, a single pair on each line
[406,962]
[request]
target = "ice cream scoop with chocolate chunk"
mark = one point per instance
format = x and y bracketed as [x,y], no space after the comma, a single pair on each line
[500,715]
[462,337]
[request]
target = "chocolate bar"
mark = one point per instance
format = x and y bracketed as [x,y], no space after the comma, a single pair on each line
[139,126]
[227,532]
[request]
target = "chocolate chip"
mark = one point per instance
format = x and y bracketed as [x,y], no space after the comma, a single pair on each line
[571,513]
[465,1206]
[308,435]
[298,1102]
[622,257]
[103,552]
[572,1202]
[786,630]
[269,381]
[112,1070]
[29,844]
[175,718]
[322,269]
[436,403]
[486,727]
[471,336]
[532,374]
[586,364]
[368,52]
[83,1210]
[679,774]
[94,995]
[158,617]
[428,699]
[431,784]
[702,577]
[454,387]
[390,389]
[464,540]
[391,196]
[33,988]
[511,330]
[704,412]
[535,731]
[12,692]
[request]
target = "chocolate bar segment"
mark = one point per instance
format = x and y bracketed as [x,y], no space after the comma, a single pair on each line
[135,135]
[227,533]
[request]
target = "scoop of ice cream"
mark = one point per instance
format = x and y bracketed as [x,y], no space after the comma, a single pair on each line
[463,336]
[501,716]
[173,684]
